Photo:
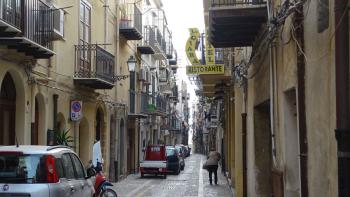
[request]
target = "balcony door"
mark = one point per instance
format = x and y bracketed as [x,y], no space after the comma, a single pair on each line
[85,38]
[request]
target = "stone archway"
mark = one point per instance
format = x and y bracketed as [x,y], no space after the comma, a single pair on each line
[84,144]
[8,113]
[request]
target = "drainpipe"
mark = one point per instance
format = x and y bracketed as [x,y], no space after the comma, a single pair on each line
[342,131]
[106,6]
[272,86]
[55,99]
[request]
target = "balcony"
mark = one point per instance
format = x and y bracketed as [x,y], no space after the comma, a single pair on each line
[153,105]
[130,25]
[94,67]
[175,124]
[148,41]
[236,23]
[174,94]
[27,27]
[159,46]
[136,105]
[173,62]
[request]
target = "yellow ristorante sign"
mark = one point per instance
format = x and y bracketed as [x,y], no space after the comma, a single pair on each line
[191,46]
[205,69]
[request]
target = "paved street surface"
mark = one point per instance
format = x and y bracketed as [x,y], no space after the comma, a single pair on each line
[193,181]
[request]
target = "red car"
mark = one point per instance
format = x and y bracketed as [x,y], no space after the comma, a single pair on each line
[155,161]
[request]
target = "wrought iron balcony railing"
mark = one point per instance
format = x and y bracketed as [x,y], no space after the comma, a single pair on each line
[131,22]
[11,13]
[27,25]
[218,3]
[38,22]
[148,42]
[94,66]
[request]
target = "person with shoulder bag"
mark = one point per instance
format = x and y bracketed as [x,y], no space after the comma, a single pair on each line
[212,165]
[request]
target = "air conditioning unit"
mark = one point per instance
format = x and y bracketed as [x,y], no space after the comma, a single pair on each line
[58,24]
[143,74]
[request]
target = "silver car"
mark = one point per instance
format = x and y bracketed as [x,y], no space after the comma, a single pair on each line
[47,171]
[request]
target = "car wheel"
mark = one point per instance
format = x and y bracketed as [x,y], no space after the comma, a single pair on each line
[142,175]
[178,171]
[164,177]
[182,167]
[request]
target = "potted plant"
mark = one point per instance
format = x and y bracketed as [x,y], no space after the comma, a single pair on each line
[63,138]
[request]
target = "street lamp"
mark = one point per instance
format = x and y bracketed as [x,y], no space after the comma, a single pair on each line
[131,66]
[131,63]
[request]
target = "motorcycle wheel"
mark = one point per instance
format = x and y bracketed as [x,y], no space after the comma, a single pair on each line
[108,192]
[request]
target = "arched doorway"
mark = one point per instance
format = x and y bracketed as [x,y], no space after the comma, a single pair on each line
[84,144]
[7,111]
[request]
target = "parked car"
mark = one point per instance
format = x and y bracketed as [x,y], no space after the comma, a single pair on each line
[181,153]
[53,171]
[155,161]
[173,160]
[188,150]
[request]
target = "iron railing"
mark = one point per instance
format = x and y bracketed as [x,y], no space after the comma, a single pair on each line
[131,18]
[174,123]
[218,3]
[159,37]
[93,61]
[163,45]
[37,22]
[145,98]
[148,36]
[11,12]
[161,103]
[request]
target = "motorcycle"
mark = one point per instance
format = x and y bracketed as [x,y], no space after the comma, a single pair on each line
[102,186]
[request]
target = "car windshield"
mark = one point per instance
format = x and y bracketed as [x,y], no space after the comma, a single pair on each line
[170,151]
[22,168]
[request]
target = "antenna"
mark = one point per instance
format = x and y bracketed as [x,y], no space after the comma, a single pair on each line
[17,145]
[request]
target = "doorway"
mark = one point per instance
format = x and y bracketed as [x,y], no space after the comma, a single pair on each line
[292,179]
[7,111]
[263,154]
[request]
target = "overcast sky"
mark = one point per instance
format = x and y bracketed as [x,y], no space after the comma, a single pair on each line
[182,15]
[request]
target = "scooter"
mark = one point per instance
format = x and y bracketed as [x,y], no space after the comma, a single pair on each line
[101,184]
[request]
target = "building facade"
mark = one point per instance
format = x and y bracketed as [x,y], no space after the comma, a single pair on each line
[284,103]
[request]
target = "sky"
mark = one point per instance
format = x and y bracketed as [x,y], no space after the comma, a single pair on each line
[182,15]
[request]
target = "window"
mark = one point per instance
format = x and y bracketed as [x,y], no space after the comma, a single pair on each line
[78,167]
[84,27]
[68,166]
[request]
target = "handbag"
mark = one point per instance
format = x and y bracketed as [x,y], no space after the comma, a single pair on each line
[205,166]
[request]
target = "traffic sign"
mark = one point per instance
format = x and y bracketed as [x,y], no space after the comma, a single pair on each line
[76,110]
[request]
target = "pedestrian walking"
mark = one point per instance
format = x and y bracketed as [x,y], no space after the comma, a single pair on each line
[212,165]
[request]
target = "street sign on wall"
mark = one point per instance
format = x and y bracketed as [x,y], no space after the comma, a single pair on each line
[76,108]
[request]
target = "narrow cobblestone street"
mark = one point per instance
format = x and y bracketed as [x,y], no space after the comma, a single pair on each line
[193,181]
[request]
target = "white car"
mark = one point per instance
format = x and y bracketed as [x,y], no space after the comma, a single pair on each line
[42,171]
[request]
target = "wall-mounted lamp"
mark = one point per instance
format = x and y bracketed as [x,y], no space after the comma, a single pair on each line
[131,66]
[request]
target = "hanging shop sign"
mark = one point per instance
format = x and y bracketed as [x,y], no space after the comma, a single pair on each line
[205,69]
[191,46]
[209,52]
[76,108]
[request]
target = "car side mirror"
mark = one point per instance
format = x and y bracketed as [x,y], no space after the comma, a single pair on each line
[90,172]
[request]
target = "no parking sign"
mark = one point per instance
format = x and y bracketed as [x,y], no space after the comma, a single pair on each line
[76,110]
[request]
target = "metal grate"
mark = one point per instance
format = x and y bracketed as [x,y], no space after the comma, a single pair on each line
[11,12]
[93,61]
[38,22]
